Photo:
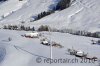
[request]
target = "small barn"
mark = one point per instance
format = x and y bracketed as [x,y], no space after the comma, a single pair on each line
[32,35]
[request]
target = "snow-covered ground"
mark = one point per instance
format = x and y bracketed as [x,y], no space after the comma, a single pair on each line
[32,7]
[81,15]
[9,7]
[21,51]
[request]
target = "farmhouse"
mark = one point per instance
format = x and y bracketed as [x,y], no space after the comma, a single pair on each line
[32,35]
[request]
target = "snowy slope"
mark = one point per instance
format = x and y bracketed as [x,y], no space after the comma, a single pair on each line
[82,15]
[32,7]
[10,6]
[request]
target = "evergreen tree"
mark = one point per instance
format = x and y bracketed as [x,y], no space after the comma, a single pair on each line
[3,0]
[5,27]
[43,28]
[63,4]
[33,29]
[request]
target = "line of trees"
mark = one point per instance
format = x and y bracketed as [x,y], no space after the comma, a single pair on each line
[70,31]
[47,28]
[62,4]
[79,32]
[16,27]
[43,14]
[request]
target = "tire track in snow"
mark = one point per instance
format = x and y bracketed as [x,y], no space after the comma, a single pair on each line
[19,48]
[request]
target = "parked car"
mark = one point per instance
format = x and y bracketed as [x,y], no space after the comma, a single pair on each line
[45,42]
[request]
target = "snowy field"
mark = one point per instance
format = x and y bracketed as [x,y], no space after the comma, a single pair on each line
[23,51]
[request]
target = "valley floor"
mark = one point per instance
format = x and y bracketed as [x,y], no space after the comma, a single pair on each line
[21,51]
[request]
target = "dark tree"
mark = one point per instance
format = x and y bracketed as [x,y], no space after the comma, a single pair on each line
[5,27]
[3,0]
[63,4]
[33,29]
[22,27]
[43,28]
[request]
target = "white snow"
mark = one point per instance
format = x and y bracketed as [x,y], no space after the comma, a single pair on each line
[84,14]
[10,6]
[21,51]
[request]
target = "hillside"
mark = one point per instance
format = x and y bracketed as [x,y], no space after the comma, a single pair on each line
[81,15]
